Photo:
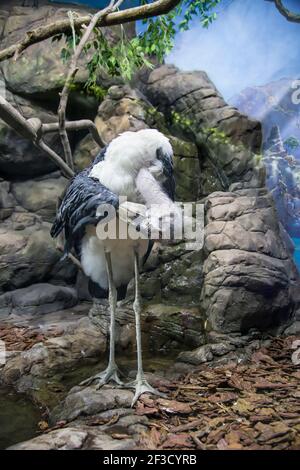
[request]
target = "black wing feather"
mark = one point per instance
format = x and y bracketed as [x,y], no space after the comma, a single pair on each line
[168,171]
[79,206]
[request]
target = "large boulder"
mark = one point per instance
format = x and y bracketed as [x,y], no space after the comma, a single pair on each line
[249,276]
[37,299]
[28,254]
[85,152]
[40,195]
[122,109]
[86,438]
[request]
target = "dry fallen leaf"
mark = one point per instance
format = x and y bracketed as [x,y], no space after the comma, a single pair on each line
[43,425]
[222,444]
[143,410]
[154,438]
[271,432]
[177,440]
[222,397]
[243,406]
[120,436]
[173,406]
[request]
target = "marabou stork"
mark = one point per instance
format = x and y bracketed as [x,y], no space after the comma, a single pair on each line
[136,165]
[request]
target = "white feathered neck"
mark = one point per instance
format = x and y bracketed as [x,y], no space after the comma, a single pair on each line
[125,156]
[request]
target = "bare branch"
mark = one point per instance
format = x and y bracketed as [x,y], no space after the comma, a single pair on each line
[30,130]
[289,15]
[76,126]
[64,97]
[159,7]
[33,129]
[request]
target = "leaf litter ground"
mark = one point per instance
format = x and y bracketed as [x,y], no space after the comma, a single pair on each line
[234,406]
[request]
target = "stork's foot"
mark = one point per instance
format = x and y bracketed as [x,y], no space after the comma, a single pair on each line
[110,374]
[141,386]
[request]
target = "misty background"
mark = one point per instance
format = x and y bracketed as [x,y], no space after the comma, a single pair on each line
[249,44]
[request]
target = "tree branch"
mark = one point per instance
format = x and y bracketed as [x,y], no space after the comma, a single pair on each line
[158,7]
[290,16]
[64,96]
[76,126]
[29,130]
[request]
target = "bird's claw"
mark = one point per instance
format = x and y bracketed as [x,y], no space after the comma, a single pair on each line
[110,374]
[142,386]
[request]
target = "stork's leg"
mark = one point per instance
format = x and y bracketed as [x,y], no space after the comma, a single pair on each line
[111,373]
[140,384]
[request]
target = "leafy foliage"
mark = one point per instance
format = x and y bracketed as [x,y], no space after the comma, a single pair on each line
[118,59]
[158,37]
[156,40]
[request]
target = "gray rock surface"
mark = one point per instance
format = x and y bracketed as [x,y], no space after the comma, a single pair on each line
[249,277]
[85,152]
[61,439]
[37,299]
[28,254]
[198,356]
[68,339]
[40,195]
[206,353]
[173,276]
[7,201]
[122,434]
[227,139]
[122,109]
[165,327]
[76,438]
[88,401]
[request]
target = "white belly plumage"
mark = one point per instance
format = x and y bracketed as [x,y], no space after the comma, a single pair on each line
[122,256]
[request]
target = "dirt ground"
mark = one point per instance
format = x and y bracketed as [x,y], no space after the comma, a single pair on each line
[254,406]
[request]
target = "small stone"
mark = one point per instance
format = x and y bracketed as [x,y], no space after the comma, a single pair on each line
[197,356]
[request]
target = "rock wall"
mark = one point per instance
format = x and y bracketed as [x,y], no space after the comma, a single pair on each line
[248,276]
[243,278]
[227,139]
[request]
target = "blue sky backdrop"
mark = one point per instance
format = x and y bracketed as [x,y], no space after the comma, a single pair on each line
[249,44]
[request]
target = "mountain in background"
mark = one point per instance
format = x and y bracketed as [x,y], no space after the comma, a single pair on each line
[283,180]
[272,105]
